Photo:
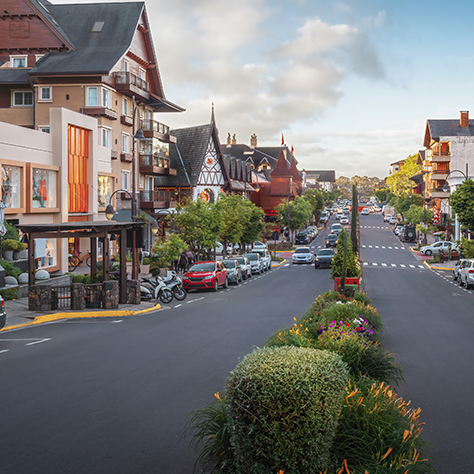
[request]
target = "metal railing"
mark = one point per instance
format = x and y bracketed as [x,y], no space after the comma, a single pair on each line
[155,196]
[61,297]
[130,78]
[154,160]
[151,125]
[93,294]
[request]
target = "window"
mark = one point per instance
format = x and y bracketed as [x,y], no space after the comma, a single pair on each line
[124,65]
[45,93]
[11,187]
[126,180]
[124,106]
[142,73]
[106,97]
[18,61]
[22,98]
[105,188]
[106,137]
[125,143]
[38,57]
[92,96]
[44,188]
[44,129]
[46,252]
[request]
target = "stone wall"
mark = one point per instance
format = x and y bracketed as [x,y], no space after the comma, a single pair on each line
[133,292]
[39,298]
[55,281]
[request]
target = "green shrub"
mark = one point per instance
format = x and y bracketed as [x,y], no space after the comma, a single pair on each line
[128,258]
[10,294]
[363,298]
[87,279]
[78,278]
[9,244]
[19,246]
[378,432]
[146,261]
[282,406]
[12,232]
[10,269]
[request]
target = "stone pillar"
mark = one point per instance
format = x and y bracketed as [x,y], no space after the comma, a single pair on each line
[133,292]
[111,294]
[39,298]
[78,302]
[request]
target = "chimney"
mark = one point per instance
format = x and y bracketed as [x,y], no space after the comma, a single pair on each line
[253,140]
[228,139]
[464,118]
[234,140]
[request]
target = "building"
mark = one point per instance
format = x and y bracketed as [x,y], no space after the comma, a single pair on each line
[395,166]
[320,179]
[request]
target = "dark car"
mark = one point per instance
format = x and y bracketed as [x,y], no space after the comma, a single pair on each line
[234,272]
[323,258]
[205,275]
[3,314]
[302,238]
[331,240]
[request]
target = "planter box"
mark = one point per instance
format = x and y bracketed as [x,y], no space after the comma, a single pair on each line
[349,282]
[145,269]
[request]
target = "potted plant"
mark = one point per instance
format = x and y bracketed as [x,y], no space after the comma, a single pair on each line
[145,267]
[8,246]
[20,246]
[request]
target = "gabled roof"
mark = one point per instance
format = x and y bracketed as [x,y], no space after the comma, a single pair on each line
[322,176]
[294,171]
[95,52]
[421,157]
[281,169]
[446,128]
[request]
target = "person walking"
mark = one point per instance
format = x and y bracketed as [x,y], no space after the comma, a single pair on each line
[182,262]
[190,258]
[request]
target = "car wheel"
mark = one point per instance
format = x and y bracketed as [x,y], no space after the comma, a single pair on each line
[455,277]
[216,285]
[460,282]
[428,252]
[226,284]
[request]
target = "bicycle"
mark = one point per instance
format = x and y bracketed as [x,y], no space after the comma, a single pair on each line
[74,261]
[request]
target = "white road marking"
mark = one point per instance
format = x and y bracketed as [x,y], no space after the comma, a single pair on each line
[384,264]
[365,264]
[118,321]
[383,247]
[376,246]
[390,248]
[370,246]
[5,350]
[412,266]
[421,266]
[286,265]
[375,264]
[393,265]
[178,305]
[38,342]
[403,266]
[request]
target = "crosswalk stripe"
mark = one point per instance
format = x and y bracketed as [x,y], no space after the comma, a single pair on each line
[375,264]
[384,264]
[376,246]
[403,266]
[393,265]
[370,246]
[421,266]
[412,266]
[365,264]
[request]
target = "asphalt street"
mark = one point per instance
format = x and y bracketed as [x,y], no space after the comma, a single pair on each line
[429,323]
[112,395]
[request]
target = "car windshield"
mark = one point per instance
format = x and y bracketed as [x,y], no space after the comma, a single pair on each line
[323,253]
[240,260]
[332,237]
[203,267]
[252,256]
[229,263]
[302,251]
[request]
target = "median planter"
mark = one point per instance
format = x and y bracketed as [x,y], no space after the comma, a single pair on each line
[354,282]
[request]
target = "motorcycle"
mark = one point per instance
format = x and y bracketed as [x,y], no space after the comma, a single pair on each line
[158,285]
[158,289]
[176,286]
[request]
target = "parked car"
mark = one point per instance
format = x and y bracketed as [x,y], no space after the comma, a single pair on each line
[336,228]
[205,275]
[466,274]
[407,233]
[344,220]
[314,231]
[323,258]
[3,313]
[255,262]
[234,272]
[339,215]
[397,228]
[302,238]
[365,212]
[302,255]
[245,266]
[324,217]
[457,267]
[232,248]
[260,245]
[331,240]
[265,257]
[393,220]
[437,246]
[387,217]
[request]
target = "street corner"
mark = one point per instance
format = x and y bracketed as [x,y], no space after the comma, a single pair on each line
[437,266]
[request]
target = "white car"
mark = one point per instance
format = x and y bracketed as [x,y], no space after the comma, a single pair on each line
[365,212]
[393,220]
[259,245]
[437,246]
[344,220]
[302,255]
[387,217]
[265,256]
[339,215]
[466,274]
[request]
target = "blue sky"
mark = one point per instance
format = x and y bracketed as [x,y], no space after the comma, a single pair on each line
[350,84]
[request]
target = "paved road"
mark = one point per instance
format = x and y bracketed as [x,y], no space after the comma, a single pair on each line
[111,395]
[430,322]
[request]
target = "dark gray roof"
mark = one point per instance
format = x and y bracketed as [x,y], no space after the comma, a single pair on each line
[449,128]
[96,52]
[270,154]
[322,176]
[14,75]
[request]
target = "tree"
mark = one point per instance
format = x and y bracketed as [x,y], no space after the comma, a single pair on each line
[200,224]
[355,208]
[351,267]
[400,182]
[300,212]
[383,194]
[416,214]
[315,199]
[402,204]
[462,203]
[167,251]
[253,225]
[232,212]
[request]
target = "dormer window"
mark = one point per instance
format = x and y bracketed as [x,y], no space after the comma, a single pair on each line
[18,61]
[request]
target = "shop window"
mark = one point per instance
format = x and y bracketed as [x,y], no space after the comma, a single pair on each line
[45,252]
[11,187]
[45,189]
[105,189]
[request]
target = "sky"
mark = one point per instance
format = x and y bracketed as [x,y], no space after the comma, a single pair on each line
[349,84]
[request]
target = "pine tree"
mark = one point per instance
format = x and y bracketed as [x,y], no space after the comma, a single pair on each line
[355,208]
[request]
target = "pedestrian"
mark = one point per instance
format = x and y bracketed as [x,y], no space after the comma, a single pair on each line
[190,258]
[325,223]
[420,239]
[182,262]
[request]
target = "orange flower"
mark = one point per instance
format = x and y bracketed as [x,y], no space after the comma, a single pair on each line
[217,396]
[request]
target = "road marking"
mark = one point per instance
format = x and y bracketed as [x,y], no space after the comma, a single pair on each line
[384,264]
[383,247]
[363,246]
[38,342]
[5,350]
[365,263]
[375,264]
[370,246]
[390,248]
[412,266]
[403,266]
[421,266]
[178,305]
[118,321]
[286,265]
[16,340]
[376,246]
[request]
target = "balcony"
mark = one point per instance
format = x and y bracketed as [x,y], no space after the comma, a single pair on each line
[126,157]
[131,85]
[437,156]
[100,112]
[155,199]
[438,193]
[153,129]
[126,120]
[113,154]
[439,175]
[156,165]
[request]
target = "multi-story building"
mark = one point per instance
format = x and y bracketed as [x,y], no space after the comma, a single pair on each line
[320,179]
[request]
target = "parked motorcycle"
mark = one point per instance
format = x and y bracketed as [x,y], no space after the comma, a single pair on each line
[175,284]
[158,285]
[158,289]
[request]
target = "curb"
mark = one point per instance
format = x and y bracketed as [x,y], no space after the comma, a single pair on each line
[437,268]
[47,318]
[279,264]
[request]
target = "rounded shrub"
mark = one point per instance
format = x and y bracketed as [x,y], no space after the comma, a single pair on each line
[282,405]
[78,278]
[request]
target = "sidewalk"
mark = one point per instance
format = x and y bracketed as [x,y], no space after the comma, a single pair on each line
[18,314]
[428,261]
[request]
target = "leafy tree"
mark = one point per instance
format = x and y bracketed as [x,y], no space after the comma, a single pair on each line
[200,223]
[300,212]
[252,225]
[355,207]
[232,212]
[402,204]
[462,203]
[416,214]
[315,199]
[400,182]
[383,194]
[351,267]
[168,250]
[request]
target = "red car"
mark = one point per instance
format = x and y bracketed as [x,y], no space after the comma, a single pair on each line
[205,275]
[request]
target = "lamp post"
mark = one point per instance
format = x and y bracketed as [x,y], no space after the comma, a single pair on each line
[446,188]
[136,135]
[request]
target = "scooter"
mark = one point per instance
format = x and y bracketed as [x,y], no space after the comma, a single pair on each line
[158,288]
[176,286]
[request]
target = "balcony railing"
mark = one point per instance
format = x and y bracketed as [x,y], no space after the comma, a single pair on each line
[128,78]
[155,196]
[154,160]
[151,125]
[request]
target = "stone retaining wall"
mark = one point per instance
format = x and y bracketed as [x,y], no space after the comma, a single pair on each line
[54,281]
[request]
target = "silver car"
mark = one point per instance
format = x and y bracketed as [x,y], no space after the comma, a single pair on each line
[245,266]
[255,261]
[466,274]
[266,258]
[457,268]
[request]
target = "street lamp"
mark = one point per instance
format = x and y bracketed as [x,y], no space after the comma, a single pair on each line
[446,188]
[136,135]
